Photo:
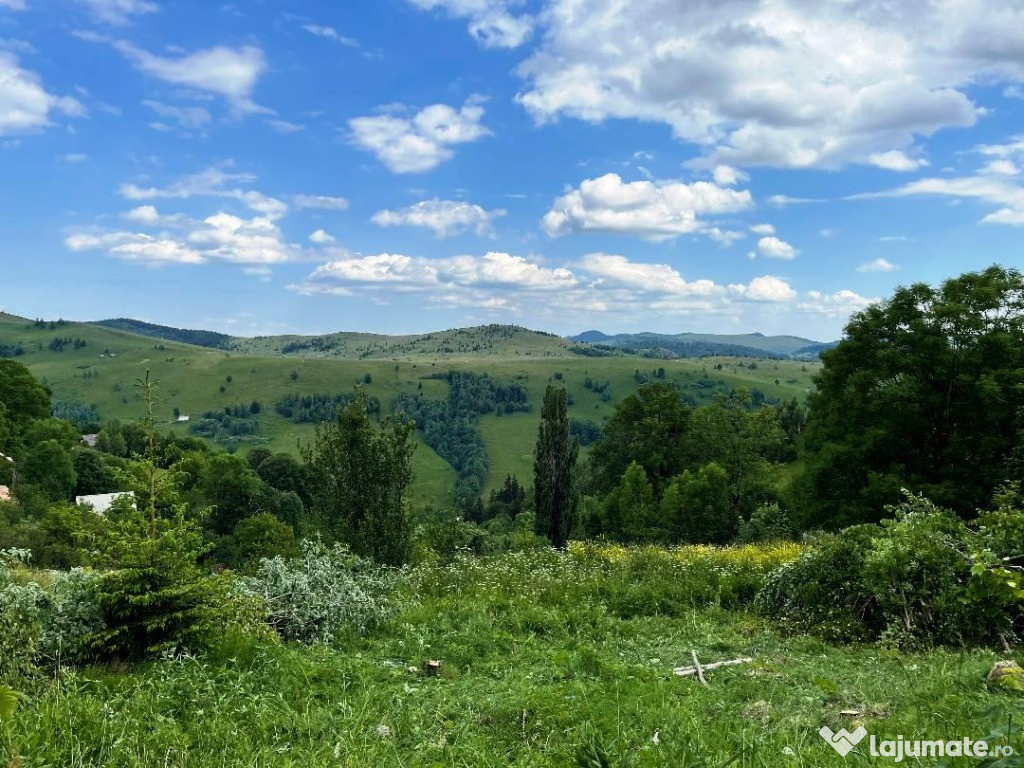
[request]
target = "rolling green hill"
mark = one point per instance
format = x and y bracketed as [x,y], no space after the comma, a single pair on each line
[102,367]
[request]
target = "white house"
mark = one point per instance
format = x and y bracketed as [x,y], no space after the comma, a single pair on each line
[5,493]
[101,502]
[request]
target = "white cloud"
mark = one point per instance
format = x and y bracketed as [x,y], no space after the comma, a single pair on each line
[767,288]
[649,278]
[211,182]
[244,241]
[137,246]
[894,160]
[283,126]
[996,184]
[231,73]
[25,105]
[763,229]
[490,22]
[331,34]
[13,5]
[775,82]
[651,210]
[74,157]
[839,304]
[190,118]
[321,238]
[877,265]
[727,176]
[775,248]
[422,142]
[118,11]
[320,202]
[445,217]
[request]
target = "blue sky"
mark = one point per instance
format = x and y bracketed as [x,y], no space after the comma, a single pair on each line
[409,165]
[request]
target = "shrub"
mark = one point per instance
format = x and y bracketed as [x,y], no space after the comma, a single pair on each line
[22,609]
[322,595]
[72,615]
[769,522]
[921,578]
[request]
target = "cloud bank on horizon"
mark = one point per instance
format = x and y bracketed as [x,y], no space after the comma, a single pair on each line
[769,165]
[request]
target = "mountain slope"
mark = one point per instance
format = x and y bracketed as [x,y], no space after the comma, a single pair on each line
[708,344]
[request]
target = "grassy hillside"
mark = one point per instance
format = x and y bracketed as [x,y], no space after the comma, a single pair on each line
[103,372]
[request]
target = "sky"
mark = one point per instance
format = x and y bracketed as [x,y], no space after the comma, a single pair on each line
[401,166]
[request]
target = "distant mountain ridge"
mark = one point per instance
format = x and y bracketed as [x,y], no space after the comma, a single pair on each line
[709,344]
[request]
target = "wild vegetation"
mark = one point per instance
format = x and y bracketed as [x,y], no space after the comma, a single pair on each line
[315,603]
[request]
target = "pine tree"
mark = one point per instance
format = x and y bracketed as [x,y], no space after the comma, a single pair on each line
[554,466]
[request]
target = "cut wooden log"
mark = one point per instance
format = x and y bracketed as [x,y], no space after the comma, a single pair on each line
[696,664]
[699,669]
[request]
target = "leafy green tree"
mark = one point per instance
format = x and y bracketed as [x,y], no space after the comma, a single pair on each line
[92,475]
[923,393]
[48,466]
[359,477]
[255,538]
[257,456]
[64,432]
[741,441]
[554,467]
[26,400]
[631,510]
[509,500]
[648,427]
[285,473]
[229,486]
[697,507]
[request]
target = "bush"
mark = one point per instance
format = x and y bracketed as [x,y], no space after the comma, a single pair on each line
[322,595]
[22,610]
[769,522]
[922,578]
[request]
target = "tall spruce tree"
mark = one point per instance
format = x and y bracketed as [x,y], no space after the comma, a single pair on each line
[554,467]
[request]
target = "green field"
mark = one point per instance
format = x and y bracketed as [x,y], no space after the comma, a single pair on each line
[545,661]
[103,373]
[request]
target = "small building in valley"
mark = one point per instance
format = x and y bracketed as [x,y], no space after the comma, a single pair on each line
[5,493]
[90,440]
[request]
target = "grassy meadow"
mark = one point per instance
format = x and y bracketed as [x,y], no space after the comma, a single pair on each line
[547,660]
[103,374]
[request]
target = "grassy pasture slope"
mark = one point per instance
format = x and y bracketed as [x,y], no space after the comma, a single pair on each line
[191,377]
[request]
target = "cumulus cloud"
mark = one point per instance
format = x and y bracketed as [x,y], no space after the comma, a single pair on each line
[231,73]
[894,160]
[775,248]
[766,288]
[597,283]
[321,238]
[877,265]
[25,104]
[137,246]
[490,21]
[211,182]
[763,229]
[445,217]
[775,82]
[117,11]
[648,209]
[840,304]
[422,142]
[182,240]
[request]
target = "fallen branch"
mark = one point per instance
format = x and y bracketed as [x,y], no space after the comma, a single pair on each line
[696,664]
[699,669]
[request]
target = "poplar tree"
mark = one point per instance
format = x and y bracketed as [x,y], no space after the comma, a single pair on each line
[554,467]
